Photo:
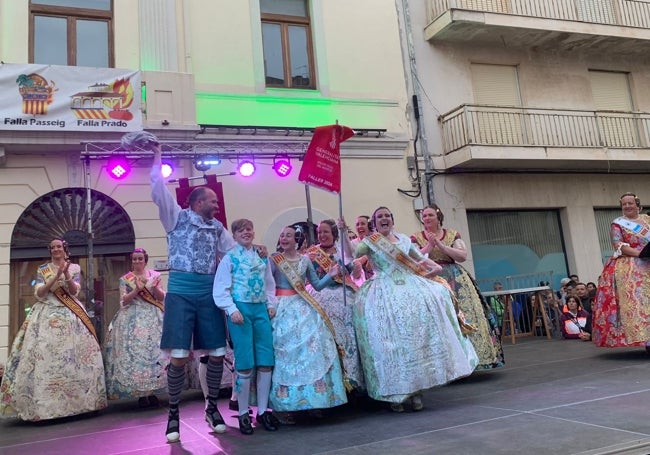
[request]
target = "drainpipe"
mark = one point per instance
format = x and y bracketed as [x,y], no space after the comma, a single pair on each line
[410,69]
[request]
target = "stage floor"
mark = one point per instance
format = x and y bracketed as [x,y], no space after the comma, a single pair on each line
[553,397]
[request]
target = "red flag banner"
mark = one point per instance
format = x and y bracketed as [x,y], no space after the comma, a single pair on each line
[321,166]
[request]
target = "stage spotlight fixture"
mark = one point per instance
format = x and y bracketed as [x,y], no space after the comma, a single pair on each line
[205,163]
[118,167]
[246,168]
[166,170]
[282,166]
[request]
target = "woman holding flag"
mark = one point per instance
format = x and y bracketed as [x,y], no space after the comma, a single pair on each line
[307,373]
[337,306]
[408,330]
[134,363]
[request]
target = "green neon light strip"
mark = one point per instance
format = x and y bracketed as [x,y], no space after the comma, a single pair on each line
[294,108]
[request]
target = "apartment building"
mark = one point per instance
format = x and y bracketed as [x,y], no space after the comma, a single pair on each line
[535,118]
[233,81]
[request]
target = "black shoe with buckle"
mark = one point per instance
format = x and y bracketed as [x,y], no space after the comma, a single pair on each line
[245,424]
[173,431]
[214,419]
[268,421]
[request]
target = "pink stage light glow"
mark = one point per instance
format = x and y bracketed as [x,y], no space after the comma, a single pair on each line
[246,168]
[166,170]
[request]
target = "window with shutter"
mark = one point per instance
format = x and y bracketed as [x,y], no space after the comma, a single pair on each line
[611,92]
[497,86]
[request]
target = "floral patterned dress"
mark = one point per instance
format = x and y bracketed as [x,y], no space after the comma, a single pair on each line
[135,366]
[477,311]
[407,329]
[55,367]
[307,372]
[621,311]
[340,313]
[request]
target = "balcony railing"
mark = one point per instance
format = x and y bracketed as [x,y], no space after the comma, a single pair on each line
[627,13]
[525,126]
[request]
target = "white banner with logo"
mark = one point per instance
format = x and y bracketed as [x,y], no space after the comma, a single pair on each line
[69,98]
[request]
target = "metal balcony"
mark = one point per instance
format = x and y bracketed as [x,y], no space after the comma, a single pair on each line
[621,26]
[493,137]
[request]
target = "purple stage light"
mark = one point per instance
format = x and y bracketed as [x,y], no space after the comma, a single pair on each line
[118,167]
[282,166]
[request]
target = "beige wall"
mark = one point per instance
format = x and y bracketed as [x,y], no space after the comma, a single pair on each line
[358,63]
[547,79]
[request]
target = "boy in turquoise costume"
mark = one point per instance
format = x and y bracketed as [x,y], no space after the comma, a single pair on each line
[244,288]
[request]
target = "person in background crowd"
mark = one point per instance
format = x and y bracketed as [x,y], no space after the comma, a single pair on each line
[582,293]
[621,311]
[498,303]
[446,248]
[591,290]
[55,366]
[135,367]
[563,292]
[408,331]
[573,319]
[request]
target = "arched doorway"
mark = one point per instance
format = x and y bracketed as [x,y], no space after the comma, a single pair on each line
[63,214]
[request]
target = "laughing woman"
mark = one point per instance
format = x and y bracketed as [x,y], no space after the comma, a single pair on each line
[407,328]
[55,366]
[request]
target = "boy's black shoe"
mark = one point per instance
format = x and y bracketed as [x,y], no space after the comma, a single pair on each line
[245,424]
[268,421]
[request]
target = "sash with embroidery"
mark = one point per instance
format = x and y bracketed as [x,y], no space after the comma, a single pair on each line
[637,229]
[325,262]
[381,243]
[145,294]
[69,301]
[295,280]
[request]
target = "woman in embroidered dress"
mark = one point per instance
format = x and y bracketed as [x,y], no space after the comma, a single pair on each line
[307,373]
[445,247]
[323,256]
[55,366]
[362,270]
[621,312]
[135,367]
[407,328]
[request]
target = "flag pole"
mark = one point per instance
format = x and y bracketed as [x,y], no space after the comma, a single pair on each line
[310,222]
[343,232]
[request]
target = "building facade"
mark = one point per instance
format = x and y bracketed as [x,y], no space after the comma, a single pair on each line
[536,118]
[244,80]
